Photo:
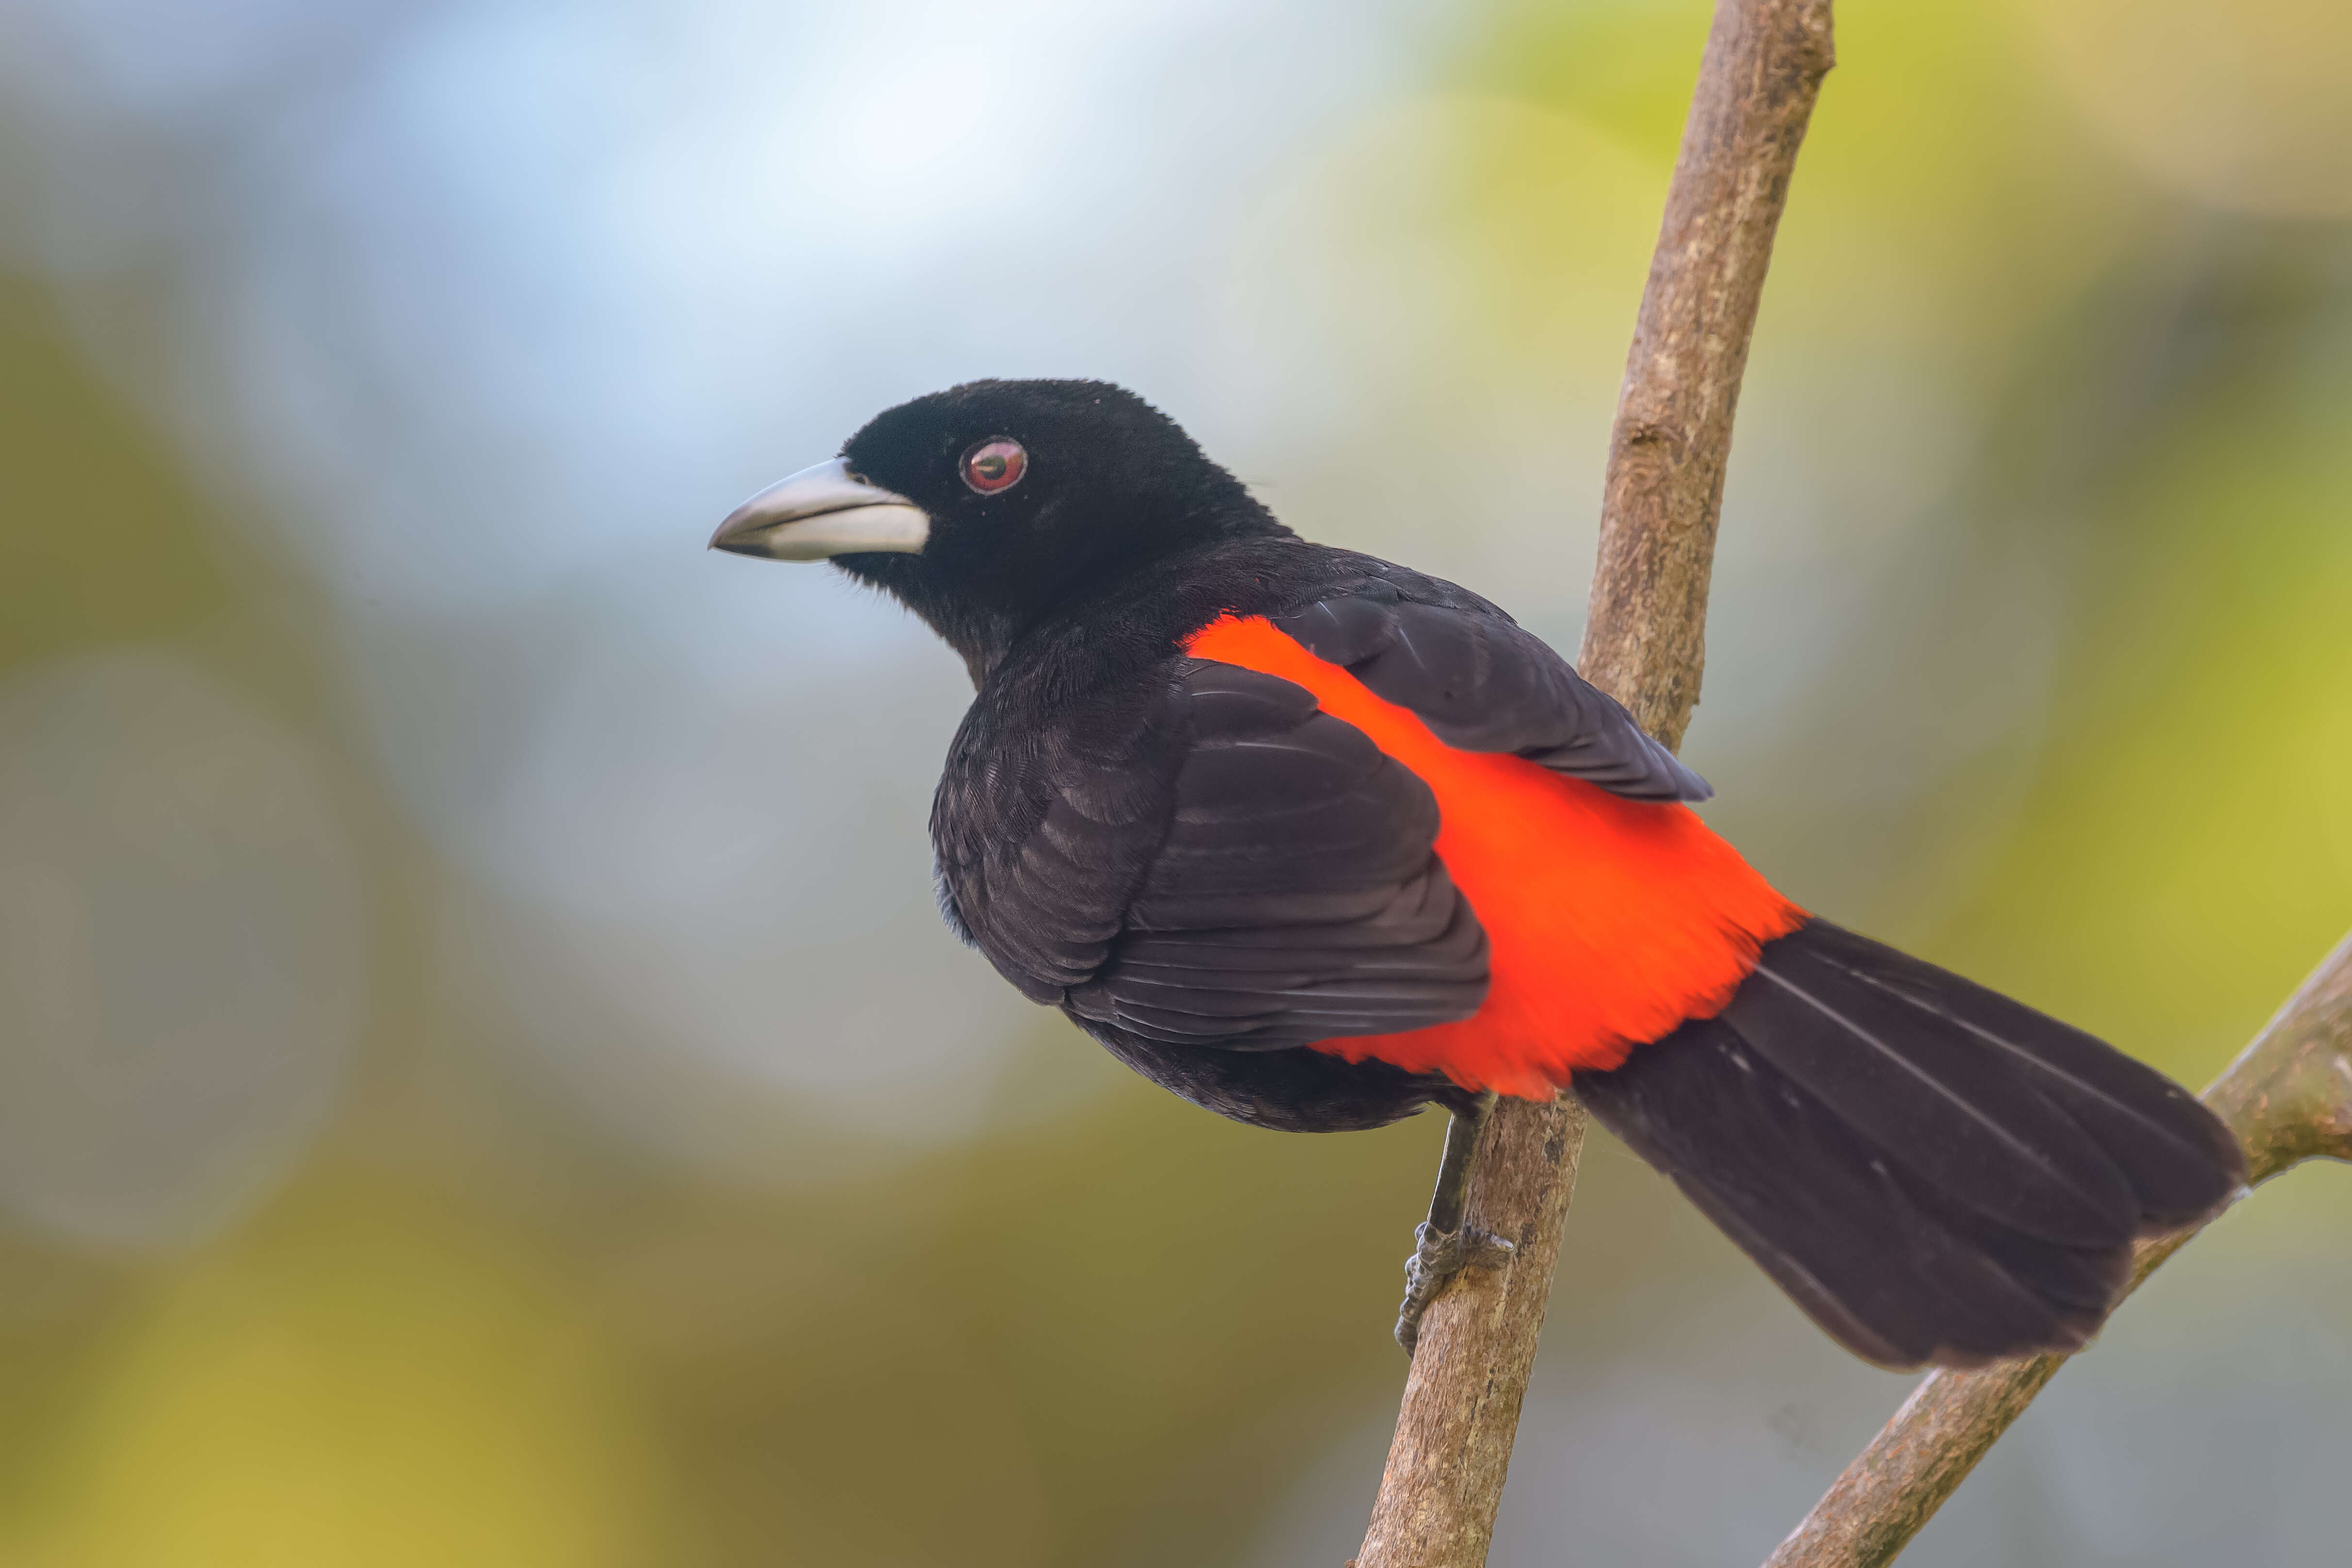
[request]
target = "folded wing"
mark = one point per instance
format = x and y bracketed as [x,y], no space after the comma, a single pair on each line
[1221,864]
[1482,683]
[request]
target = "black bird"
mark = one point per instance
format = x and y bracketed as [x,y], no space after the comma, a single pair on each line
[1315,841]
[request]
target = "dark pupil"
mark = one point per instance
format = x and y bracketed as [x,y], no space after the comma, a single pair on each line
[989,468]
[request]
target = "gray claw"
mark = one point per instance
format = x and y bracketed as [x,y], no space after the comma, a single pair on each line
[1437,1256]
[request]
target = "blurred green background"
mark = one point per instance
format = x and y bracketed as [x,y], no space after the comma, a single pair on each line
[482,1082]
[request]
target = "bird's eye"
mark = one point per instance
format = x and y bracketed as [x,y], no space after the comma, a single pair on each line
[995,465]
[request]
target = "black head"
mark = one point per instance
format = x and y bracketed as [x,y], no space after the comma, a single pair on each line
[992,506]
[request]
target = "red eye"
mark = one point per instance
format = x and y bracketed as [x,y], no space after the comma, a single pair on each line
[995,465]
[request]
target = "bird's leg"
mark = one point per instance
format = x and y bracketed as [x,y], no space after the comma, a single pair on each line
[1443,1245]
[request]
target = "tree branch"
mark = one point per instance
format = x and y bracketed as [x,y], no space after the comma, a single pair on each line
[2288,1098]
[1644,643]
[1645,640]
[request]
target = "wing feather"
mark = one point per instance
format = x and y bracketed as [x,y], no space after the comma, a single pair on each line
[1220,864]
[1482,683]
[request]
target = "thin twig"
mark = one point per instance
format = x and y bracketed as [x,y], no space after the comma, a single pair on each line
[1643,644]
[2288,1098]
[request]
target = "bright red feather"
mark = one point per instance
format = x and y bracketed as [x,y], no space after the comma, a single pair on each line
[1609,921]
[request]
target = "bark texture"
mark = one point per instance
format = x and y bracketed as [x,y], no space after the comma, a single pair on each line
[2288,1098]
[1645,640]
[1646,645]
[1444,1481]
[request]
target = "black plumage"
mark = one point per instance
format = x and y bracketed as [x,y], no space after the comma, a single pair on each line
[1192,860]
[1210,875]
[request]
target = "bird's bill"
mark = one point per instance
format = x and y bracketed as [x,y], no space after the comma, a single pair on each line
[821,512]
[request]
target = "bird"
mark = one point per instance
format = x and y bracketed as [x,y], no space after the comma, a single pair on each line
[1315,842]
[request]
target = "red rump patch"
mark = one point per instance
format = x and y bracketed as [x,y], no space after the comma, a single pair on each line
[1609,921]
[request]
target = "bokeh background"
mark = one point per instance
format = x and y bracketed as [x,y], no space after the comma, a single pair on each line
[481,1080]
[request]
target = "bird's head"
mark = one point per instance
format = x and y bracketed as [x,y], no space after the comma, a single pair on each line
[990,505]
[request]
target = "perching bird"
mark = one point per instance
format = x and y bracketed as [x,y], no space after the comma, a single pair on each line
[1315,841]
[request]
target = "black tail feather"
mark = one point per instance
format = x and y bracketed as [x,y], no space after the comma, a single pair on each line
[1935,1173]
[2181,1163]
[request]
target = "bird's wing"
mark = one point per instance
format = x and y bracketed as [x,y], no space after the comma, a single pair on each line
[1482,683]
[1222,865]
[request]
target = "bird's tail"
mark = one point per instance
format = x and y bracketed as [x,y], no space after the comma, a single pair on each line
[1934,1172]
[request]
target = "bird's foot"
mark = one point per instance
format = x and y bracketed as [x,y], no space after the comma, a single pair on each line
[1437,1256]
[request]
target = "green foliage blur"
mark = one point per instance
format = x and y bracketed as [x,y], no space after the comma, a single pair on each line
[461,1328]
